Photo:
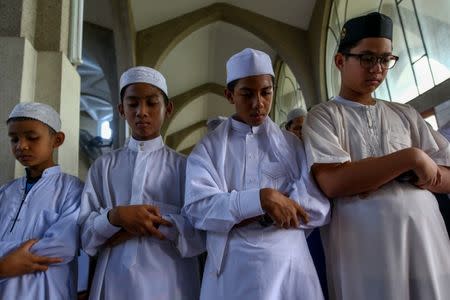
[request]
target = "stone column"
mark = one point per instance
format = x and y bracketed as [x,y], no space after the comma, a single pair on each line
[34,66]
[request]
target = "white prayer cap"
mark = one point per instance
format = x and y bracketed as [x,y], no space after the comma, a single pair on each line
[295,113]
[37,111]
[143,74]
[213,122]
[248,62]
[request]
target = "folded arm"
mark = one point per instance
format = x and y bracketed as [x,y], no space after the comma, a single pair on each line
[61,239]
[352,178]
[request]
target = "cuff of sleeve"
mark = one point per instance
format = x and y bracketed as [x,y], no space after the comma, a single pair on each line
[171,233]
[103,227]
[249,204]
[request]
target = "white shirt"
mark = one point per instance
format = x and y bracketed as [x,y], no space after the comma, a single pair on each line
[393,243]
[49,213]
[225,172]
[143,172]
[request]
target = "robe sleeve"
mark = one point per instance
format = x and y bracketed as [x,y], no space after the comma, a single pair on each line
[93,219]
[322,144]
[61,239]
[208,206]
[186,238]
[306,192]
[7,246]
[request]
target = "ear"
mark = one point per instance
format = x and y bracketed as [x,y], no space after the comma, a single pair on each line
[339,60]
[121,110]
[229,95]
[59,139]
[169,109]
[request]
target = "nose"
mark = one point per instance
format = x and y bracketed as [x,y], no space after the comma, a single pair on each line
[376,68]
[142,110]
[257,101]
[22,145]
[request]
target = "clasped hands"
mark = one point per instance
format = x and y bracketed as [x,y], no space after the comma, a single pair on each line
[135,220]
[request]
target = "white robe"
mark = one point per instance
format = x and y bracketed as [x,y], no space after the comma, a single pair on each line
[445,130]
[224,174]
[393,243]
[143,172]
[49,213]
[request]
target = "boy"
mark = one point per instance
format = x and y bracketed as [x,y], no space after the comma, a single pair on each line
[130,211]
[240,177]
[380,163]
[294,121]
[38,212]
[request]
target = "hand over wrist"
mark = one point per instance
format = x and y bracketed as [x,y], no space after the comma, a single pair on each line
[112,217]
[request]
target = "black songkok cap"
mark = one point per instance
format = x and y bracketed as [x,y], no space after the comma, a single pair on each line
[371,25]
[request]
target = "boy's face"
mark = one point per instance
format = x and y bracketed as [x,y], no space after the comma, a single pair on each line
[357,80]
[32,144]
[144,109]
[252,97]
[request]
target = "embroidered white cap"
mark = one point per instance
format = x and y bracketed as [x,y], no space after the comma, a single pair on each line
[295,113]
[248,62]
[37,111]
[143,74]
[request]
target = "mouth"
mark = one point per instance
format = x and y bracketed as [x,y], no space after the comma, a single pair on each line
[257,115]
[142,124]
[373,81]
[24,157]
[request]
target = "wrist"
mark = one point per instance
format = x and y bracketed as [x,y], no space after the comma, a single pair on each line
[417,157]
[112,216]
[263,197]
[2,268]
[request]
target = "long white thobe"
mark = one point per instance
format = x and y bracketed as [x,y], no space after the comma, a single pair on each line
[142,172]
[49,213]
[225,173]
[391,244]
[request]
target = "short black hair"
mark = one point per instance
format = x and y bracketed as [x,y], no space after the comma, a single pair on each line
[232,84]
[122,94]
[346,48]
[51,130]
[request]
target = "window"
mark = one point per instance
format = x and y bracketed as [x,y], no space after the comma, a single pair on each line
[105,130]
[288,94]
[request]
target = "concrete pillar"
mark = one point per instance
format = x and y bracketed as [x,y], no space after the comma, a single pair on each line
[34,67]
[17,76]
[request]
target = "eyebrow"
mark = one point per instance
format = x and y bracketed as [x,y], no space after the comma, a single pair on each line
[250,90]
[134,97]
[26,132]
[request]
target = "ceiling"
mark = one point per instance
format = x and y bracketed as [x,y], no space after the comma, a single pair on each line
[200,57]
[293,12]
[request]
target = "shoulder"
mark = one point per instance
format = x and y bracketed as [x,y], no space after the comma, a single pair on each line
[176,157]
[109,157]
[10,184]
[404,111]
[206,144]
[71,182]
[396,106]
[324,108]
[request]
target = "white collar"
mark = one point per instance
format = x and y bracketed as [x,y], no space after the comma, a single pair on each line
[351,103]
[146,146]
[245,128]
